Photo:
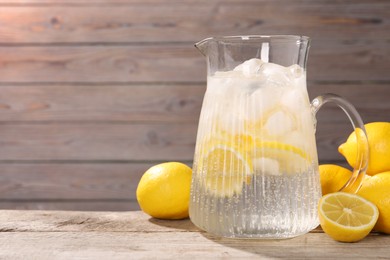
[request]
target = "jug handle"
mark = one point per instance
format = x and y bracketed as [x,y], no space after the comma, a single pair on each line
[355,182]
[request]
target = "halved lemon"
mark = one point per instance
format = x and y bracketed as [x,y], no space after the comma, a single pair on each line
[224,170]
[285,158]
[347,217]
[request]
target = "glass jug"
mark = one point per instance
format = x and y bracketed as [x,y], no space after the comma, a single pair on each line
[255,171]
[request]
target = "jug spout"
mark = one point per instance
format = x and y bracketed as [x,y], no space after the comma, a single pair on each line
[202,46]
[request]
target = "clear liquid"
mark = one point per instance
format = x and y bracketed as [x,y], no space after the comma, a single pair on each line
[271,207]
[255,172]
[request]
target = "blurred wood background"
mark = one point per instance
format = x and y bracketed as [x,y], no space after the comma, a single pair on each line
[93,93]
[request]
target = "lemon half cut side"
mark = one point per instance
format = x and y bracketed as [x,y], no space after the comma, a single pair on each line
[347,217]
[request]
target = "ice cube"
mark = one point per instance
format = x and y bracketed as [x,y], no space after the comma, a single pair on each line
[266,166]
[279,123]
[222,86]
[296,71]
[296,139]
[276,74]
[295,100]
[302,139]
[232,114]
[250,67]
[239,67]
[232,124]
[262,101]
[227,74]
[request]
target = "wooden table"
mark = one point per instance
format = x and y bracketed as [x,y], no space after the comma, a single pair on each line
[133,235]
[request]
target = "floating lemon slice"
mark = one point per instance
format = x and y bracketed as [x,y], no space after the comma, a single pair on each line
[276,158]
[224,170]
[347,217]
[243,143]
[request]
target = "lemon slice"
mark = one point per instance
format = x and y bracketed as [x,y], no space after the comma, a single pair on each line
[225,169]
[242,143]
[288,158]
[347,217]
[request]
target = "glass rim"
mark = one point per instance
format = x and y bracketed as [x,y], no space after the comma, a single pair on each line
[256,38]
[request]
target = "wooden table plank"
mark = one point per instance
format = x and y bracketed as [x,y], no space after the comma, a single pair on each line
[179,102]
[83,221]
[330,60]
[139,21]
[179,245]
[61,142]
[60,235]
[69,205]
[96,141]
[71,181]
[103,102]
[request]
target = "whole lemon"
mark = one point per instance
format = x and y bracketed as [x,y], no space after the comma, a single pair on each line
[377,190]
[164,190]
[378,134]
[333,177]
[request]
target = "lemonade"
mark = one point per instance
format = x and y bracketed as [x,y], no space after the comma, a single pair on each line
[255,171]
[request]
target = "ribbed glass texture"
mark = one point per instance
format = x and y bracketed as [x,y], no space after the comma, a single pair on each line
[255,167]
[255,172]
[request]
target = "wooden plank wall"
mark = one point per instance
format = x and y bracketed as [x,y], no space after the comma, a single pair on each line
[92,93]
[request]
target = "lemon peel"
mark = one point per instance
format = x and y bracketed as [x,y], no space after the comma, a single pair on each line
[164,190]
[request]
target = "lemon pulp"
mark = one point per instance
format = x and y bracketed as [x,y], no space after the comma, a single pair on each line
[347,217]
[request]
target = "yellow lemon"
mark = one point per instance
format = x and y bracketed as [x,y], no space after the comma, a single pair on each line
[333,177]
[378,134]
[377,190]
[164,190]
[224,169]
[347,217]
